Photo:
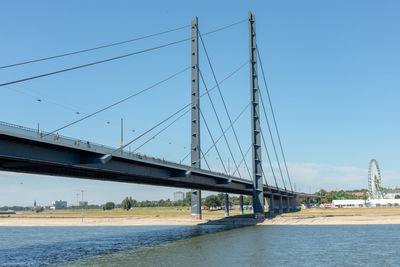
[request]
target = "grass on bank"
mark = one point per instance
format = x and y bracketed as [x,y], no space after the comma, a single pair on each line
[183,212]
[150,212]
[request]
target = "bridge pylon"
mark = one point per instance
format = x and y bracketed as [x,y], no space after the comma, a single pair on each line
[258,194]
[195,118]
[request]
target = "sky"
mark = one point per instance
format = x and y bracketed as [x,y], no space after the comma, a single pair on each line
[332,68]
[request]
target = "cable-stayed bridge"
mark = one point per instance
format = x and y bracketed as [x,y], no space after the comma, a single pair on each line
[47,152]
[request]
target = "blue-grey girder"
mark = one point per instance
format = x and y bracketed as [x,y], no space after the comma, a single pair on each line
[23,150]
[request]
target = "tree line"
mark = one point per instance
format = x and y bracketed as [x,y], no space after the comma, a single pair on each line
[342,194]
[212,201]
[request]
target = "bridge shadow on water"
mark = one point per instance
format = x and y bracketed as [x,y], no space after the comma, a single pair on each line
[237,220]
[85,244]
[132,238]
[243,220]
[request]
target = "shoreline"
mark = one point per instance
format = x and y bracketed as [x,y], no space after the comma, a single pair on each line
[286,219]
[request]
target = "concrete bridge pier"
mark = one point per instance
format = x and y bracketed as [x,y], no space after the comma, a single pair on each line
[241,205]
[226,198]
[271,205]
[294,202]
[287,204]
[280,204]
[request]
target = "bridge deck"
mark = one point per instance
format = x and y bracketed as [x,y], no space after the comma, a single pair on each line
[27,150]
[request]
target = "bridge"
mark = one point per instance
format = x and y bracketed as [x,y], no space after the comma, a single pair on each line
[35,151]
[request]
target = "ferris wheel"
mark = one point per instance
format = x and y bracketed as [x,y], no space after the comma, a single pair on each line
[374,180]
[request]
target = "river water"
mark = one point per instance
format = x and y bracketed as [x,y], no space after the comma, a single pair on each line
[361,245]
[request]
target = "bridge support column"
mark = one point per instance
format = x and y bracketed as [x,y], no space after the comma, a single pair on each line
[287,204]
[258,194]
[271,205]
[195,119]
[280,204]
[295,203]
[226,199]
[241,205]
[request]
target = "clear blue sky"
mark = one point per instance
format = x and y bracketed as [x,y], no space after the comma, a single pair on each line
[332,67]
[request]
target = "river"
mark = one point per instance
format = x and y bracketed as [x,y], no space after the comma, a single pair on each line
[351,245]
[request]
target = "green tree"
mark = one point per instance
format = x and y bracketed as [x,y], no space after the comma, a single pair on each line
[322,192]
[247,200]
[134,203]
[212,201]
[39,209]
[126,204]
[365,195]
[221,199]
[188,198]
[109,206]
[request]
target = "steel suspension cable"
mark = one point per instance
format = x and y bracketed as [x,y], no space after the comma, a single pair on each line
[272,140]
[178,111]
[223,101]
[94,48]
[115,58]
[187,155]
[269,158]
[219,121]
[273,116]
[93,63]
[212,88]
[212,139]
[205,159]
[118,102]
[262,169]
[148,131]
[227,129]
[162,130]
[241,161]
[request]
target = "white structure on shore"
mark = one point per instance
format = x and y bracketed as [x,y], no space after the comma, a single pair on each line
[348,203]
[359,203]
[391,193]
[383,202]
[374,180]
[59,204]
[374,190]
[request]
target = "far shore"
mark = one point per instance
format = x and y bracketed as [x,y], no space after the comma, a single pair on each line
[165,216]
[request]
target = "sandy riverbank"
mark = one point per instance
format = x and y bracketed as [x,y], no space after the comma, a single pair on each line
[32,221]
[278,220]
[334,220]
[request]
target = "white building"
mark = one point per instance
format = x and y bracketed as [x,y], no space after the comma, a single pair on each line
[59,204]
[359,203]
[383,202]
[391,193]
[348,203]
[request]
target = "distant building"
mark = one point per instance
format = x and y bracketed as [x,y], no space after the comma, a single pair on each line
[83,203]
[348,203]
[359,194]
[383,202]
[391,193]
[59,204]
[359,203]
[179,196]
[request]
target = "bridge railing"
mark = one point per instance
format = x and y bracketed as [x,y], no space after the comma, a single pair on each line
[58,139]
[84,144]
